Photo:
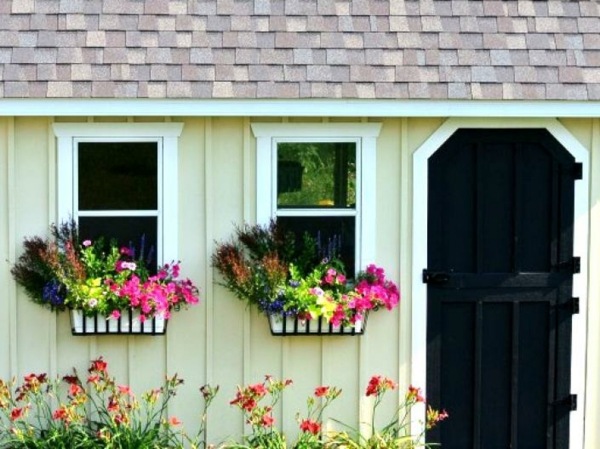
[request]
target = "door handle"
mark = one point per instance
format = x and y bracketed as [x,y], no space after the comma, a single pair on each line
[435,277]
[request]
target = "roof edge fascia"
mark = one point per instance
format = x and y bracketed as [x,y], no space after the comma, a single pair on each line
[60,107]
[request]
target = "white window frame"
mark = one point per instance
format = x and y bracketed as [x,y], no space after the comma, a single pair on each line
[268,135]
[166,137]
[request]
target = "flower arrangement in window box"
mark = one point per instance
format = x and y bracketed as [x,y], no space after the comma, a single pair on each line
[303,289]
[106,287]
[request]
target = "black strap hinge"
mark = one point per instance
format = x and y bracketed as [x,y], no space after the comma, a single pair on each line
[578,171]
[435,277]
[572,265]
[569,402]
[574,306]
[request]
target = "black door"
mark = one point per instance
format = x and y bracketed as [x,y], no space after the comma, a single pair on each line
[499,275]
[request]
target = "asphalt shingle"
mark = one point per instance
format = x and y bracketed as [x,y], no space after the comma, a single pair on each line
[403,49]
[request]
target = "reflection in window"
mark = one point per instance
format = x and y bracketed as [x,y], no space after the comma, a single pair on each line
[333,235]
[316,194]
[118,194]
[316,174]
[117,175]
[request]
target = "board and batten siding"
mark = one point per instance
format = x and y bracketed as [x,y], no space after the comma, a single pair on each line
[221,341]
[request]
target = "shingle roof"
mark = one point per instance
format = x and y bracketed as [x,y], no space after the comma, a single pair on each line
[401,49]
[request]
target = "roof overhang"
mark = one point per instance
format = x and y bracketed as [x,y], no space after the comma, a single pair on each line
[296,108]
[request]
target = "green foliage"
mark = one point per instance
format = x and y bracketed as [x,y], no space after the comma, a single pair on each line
[328,173]
[92,413]
[95,412]
[60,272]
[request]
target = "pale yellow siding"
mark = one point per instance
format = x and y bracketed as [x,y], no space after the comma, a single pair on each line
[221,341]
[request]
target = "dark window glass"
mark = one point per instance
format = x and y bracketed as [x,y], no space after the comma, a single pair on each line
[316,175]
[139,233]
[337,231]
[118,176]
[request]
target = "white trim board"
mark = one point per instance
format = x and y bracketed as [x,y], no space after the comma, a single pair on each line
[295,108]
[580,249]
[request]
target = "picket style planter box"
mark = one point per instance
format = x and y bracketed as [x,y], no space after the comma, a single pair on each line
[128,324]
[282,325]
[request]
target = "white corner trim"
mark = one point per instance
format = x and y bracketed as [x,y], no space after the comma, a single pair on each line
[117,130]
[580,248]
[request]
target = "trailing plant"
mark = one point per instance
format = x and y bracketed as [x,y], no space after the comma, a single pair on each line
[61,272]
[262,266]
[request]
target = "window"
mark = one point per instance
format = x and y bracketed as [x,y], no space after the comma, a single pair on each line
[120,181]
[320,179]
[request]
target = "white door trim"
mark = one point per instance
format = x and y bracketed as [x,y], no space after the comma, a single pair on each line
[581,237]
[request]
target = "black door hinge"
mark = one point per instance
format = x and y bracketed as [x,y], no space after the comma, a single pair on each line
[569,401]
[435,277]
[573,265]
[574,306]
[578,170]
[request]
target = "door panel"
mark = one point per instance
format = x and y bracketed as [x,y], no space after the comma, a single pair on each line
[500,211]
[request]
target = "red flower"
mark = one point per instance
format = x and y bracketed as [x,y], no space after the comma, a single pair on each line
[378,385]
[71,380]
[258,389]
[121,419]
[125,389]
[113,405]
[16,413]
[310,426]
[435,416]
[267,420]
[321,391]
[244,401]
[414,393]
[60,413]
[93,379]
[75,390]
[174,421]
[98,366]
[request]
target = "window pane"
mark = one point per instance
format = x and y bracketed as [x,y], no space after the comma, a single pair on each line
[118,175]
[339,231]
[136,232]
[316,174]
